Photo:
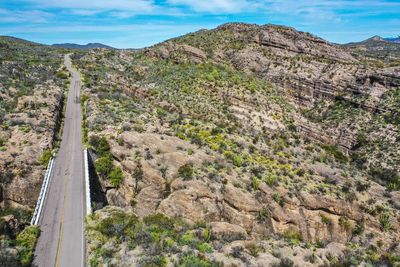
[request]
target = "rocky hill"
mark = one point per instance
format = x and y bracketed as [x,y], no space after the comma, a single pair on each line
[86,46]
[244,145]
[32,85]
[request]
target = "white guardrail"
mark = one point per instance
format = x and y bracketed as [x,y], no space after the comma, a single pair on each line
[87,183]
[42,195]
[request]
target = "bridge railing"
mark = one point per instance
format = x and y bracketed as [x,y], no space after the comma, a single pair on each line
[43,192]
[87,183]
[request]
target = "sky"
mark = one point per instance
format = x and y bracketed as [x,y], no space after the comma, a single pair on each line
[141,23]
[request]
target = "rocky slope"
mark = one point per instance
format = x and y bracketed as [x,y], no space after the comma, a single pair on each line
[32,85]
[261,144]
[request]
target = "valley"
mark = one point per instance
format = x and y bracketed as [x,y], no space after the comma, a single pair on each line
[244,145]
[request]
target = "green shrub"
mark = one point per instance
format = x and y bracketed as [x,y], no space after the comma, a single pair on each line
[237,160]
[292,235]
[263,215]
[26,241]
[384,220]
[62,75]
[186,171]
[116,176]
[336,153]
[103,148]
[255,183]
[45,157]
[278,199]
[154,261]
[159,220]
[104,165]
[204,248]
[191,260]
[271,179]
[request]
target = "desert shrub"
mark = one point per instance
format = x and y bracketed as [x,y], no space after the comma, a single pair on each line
[278,199]
[45,157]
[254,249]
[62,75]
[26,241]
[389,177]
[271,179]
[384,220]
[336,153]
[359,228]
[292,235]
[255,183]
[186,171]
[116,176]
[204,248]
[104,165]
[159,220]
[192,260]
[345,224]
[263,215]
[103,148]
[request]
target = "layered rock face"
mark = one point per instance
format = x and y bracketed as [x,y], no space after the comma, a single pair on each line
[269,136]
[31,97]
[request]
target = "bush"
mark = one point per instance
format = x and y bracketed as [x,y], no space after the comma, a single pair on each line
[292,235]
[116,176]
[104,166]
[103,148]
[45,157]
[26,241]
[186,171]
[191,260]
[384,220]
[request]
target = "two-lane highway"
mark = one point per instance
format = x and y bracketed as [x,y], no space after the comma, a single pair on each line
[61,242]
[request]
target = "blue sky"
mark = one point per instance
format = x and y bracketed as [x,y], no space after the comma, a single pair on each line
[139,23]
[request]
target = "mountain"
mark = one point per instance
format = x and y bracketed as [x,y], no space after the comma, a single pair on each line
[244,145]
[87,46]
[387,49]
[394,40]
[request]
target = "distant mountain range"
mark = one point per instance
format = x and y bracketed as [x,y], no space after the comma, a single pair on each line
[87,46]
[376,40]
[393,40]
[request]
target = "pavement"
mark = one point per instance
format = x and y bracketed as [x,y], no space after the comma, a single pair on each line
[61,242]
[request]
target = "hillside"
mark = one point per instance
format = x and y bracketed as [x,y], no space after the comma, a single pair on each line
[32,86]
[248,145]
[86,46]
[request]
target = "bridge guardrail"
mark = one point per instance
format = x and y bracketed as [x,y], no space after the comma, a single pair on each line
[43,192]
[87,183]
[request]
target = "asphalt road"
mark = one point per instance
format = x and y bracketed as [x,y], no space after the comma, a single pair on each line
[61,242]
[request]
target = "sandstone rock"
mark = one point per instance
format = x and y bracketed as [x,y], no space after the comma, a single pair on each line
[226,231]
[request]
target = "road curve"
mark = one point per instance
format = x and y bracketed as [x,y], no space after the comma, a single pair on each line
[61,242]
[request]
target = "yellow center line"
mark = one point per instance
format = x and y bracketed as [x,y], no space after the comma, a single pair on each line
[61,223]
[65,197]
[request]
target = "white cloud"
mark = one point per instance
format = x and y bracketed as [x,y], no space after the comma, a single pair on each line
[137,6]
[217,6]
[33,16]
